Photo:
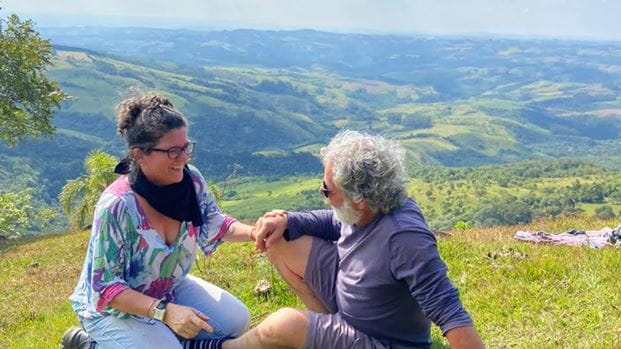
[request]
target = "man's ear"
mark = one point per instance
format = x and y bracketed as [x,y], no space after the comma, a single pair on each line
[360,205]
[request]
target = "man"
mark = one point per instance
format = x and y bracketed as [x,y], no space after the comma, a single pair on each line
[368,270]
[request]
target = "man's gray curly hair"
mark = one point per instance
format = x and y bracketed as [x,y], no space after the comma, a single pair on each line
[367,167]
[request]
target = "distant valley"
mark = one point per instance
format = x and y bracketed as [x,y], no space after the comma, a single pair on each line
[268,100]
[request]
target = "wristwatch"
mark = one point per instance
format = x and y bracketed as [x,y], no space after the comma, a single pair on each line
[159,311]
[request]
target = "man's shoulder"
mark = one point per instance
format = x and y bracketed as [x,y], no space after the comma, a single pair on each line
[408,230]
[408,217]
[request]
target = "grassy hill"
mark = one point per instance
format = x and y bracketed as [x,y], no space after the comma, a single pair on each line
[520,295]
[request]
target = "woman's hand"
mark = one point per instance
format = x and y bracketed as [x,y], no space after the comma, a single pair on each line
[187,322]
[269,228]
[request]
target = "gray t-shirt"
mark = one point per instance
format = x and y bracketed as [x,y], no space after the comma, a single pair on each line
[391,280]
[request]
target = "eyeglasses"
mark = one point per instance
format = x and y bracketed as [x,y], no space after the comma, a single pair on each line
[175,152]
[324,190]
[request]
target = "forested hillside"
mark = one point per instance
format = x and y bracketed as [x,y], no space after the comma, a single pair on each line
[264,102]
[509,194]
[510,99]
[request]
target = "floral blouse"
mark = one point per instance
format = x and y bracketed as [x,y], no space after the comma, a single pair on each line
[124,251]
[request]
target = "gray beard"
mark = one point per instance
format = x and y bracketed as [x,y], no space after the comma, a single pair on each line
[346,213]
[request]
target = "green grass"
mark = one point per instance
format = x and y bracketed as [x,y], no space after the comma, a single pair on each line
[39,274]
[590,208]
[526,295]
[520,295]
[255,196]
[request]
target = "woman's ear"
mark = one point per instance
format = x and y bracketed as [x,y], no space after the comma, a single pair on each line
[137,155]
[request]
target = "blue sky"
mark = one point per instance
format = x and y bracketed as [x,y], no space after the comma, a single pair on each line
[597,19]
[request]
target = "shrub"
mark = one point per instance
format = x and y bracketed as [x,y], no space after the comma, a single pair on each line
[604,212]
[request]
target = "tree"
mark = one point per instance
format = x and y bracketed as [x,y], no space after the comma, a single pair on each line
[604,212]
[14,208]
[593,193]
[503,210]
[79,196]
[27,99]
[615,196]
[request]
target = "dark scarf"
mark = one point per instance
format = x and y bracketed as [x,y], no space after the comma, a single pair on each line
[177,201]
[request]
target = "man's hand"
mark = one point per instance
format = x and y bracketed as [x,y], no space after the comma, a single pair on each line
[464,338]
[269,228]
[187,322]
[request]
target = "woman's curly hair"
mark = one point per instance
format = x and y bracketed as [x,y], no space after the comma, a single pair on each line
[143,120]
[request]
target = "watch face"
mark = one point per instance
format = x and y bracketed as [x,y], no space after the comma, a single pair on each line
[158,314]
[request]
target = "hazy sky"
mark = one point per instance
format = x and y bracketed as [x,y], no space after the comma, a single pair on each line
[565,18]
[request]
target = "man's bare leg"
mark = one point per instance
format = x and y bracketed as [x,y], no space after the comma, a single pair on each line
[286,328]
[290,259]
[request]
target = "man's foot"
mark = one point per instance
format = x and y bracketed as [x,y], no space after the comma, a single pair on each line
[76,338]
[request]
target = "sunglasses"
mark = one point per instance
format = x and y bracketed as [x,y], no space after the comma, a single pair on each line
[324,189]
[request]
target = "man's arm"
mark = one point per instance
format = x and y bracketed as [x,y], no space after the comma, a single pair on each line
[278,223]
[415,260]
[318,223]
[464,338]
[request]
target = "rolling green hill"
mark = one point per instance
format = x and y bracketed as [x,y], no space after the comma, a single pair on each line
[454,66]
[271,120]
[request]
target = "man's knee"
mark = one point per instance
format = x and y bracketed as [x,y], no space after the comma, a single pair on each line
[285,327]
[278,250]
[292,254]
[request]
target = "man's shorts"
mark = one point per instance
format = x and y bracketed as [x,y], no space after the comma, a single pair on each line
[330,331]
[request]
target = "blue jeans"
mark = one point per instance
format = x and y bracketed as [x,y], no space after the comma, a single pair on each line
[227,315]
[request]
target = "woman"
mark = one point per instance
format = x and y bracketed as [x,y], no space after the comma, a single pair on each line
[135,291]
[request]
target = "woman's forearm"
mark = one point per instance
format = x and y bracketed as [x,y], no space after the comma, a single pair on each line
[133,302]
[238,232]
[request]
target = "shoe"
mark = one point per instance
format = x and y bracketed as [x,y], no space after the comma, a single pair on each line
[77,338]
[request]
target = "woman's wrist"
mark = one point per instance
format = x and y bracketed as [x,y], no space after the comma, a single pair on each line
[251,234]
[245,231]
[151,308]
